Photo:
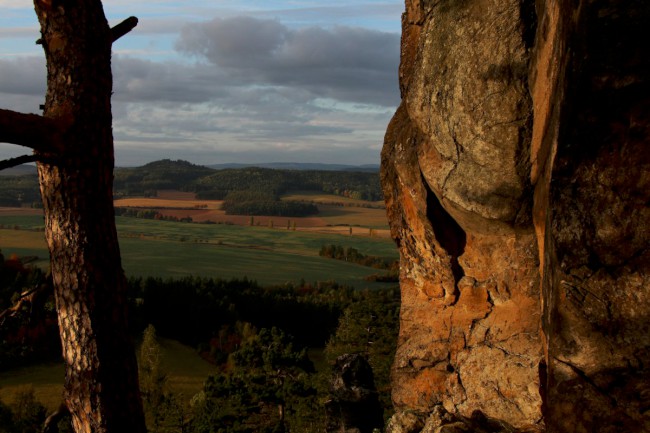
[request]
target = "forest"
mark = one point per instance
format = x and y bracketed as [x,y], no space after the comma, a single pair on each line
[217,184]
[264,202]
[211,184]
[262,339]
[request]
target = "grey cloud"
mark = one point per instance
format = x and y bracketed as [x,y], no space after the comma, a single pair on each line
[283,131]
[23,76]
[239,43]
[344,63]
[172,85]
[257,84]
[137,80]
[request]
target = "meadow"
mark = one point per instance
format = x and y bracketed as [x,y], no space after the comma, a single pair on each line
[186,372]
[174,249]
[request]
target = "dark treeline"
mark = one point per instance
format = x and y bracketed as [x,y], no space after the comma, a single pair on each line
[194,310]
[353,255]
[148,214]
[251,202]
[19,191]
[157,175]
[357,185]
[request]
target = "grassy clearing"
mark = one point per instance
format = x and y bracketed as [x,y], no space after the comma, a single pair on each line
[171,249]
[45,379]
[354,216]
[186,373]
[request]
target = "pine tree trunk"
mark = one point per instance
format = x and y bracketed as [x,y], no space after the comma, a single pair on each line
[101,386]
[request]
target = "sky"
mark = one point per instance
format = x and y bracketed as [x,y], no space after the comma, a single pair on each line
[222,81]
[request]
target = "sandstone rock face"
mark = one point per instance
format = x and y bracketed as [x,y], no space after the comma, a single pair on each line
[516,180]
[592,215]
[455,171]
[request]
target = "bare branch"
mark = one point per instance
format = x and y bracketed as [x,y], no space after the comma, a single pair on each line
[12,162]
[30,130]
[123,28]
[30,298]
[25,298]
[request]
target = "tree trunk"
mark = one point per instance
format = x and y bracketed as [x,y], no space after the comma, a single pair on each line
[101,386]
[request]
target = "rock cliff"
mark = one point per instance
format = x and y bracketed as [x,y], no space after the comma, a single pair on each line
[517,182]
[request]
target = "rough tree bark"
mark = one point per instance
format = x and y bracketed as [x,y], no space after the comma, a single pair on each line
[73,145]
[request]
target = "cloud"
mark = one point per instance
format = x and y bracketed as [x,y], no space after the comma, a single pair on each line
[138,80]
[23,76]
[343,63]
[244,89]
[18,4]
[20,32]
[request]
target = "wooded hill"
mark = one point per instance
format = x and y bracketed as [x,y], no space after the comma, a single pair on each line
[216,184]
[209,183]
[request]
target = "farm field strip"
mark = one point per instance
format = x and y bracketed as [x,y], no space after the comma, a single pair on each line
[168,203]
[279,239]
[330,199]
[172,249]
[333,211]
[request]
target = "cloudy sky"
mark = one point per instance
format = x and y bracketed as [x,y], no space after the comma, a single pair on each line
[216,81]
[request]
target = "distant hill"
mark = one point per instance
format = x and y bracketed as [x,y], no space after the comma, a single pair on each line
[163,174]
[301,166]
[211,183]
[354,184]
[19,186]
[19,170]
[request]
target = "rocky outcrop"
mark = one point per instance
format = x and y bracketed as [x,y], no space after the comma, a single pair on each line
[591,86]
[516,176]
[354,405]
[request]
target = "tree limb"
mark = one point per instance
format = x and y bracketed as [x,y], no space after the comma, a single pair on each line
[123,28]
[30,130]
[25,298]
[37,295]
[12,162]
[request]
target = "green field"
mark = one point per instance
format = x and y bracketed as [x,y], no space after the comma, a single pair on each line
[172,249]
